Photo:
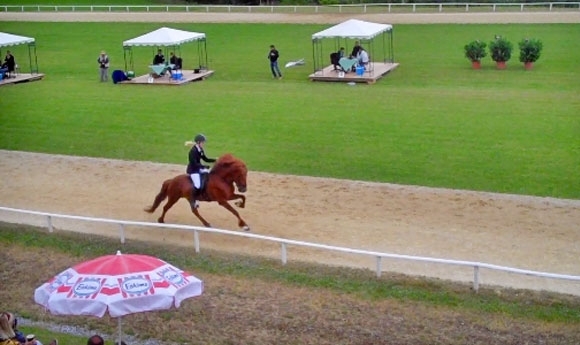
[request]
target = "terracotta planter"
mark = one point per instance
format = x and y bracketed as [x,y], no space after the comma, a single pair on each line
[501,65]
[528,65]
[476,64]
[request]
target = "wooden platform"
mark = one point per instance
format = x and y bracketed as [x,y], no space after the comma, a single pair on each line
[188,76]
[369,77]
[21,78]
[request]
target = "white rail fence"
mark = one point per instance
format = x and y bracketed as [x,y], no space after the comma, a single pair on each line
[284,243]
[350,9]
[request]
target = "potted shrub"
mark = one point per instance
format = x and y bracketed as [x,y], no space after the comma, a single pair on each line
[530,50]
[475,51]
[500,50]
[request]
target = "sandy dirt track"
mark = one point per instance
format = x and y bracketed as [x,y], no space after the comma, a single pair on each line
[518,231]
[524,232]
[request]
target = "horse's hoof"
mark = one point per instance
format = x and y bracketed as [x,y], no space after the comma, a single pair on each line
[160,220]
[246,228]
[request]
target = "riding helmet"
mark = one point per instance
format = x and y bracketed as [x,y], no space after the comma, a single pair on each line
[199,137]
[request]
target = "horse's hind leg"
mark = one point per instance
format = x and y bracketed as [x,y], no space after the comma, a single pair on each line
[241,223]
[170,202]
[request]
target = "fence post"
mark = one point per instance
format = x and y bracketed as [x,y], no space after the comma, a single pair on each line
[379,266]
[49,223]
[122,232]
[284,254]
[476,278]
[196,240]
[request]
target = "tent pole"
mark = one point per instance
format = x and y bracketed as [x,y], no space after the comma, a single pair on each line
[125,58]
[205,50]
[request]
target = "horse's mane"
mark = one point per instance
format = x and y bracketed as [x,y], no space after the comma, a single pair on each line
[225,163]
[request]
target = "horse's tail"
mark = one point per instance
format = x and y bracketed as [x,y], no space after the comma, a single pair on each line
[159,198]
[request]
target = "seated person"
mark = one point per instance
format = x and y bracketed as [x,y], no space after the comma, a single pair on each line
[9,63]
[335,58]
[159,58]
[7,336]
[363,58]
[96,340]
[355,51]
[31,340]
[175,61]
[13,322]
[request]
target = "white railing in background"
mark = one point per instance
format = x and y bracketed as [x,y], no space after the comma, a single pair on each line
[285,242]
[351,9]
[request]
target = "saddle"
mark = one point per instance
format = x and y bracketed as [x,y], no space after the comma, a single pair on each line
[203,182]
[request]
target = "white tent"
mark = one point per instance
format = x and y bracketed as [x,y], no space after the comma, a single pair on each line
[353,29]
[164,37]
[168,39]
[376,38]
[7,40]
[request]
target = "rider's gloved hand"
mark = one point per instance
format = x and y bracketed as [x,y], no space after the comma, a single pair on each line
[204,171]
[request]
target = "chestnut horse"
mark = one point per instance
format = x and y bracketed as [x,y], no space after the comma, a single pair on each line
[226,172]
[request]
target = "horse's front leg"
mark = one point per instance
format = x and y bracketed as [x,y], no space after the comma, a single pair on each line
[196,212]
[242,203]
[241,223]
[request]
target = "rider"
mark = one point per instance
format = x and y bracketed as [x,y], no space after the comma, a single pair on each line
[195,168]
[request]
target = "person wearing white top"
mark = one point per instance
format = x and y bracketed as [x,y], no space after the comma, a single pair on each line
[363,58]
[31,340]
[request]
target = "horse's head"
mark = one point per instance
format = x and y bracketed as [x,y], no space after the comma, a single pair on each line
[232,170]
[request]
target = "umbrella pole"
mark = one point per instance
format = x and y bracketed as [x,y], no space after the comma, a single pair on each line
[120,332]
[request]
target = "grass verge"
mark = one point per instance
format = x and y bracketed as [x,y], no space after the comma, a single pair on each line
[243,286]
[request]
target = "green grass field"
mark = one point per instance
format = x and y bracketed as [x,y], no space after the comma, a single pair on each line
[433,121]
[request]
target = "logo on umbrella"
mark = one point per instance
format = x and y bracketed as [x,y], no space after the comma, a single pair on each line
[173,277]
[59,281]
[86,287]
[135,285]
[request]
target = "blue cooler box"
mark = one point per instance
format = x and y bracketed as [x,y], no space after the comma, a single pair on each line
[360,70]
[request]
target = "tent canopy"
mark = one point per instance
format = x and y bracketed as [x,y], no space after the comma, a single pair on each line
[13,40]
[164,37]
[353,28]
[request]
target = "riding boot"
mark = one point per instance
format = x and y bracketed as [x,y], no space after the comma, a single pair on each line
[194,195]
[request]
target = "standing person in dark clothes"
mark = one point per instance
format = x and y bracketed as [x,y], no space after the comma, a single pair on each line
[273,56]
[195,168]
